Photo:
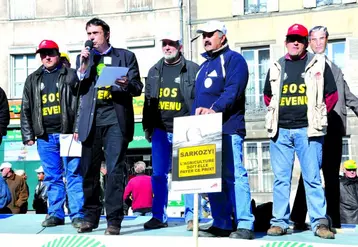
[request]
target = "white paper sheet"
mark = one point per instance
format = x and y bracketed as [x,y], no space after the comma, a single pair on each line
[109,75]
[69,147]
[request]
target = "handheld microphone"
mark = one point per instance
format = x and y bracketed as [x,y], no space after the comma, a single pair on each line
[89,45]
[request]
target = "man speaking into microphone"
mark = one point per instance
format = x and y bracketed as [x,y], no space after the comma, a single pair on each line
[106,120]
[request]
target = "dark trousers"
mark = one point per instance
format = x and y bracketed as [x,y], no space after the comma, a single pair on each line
[331,162]
[114,147]
[41,208]
[5,210]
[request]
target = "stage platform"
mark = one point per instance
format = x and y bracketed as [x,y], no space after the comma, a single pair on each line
[26,230]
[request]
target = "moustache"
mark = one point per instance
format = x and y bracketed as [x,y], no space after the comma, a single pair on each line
[207,43]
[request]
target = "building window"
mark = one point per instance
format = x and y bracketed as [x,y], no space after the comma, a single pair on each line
[79,8]
[257,163]
[258,60]
[139,5]
[345,149]
[21,67]
[255,6]
[335,52]
[327,2]
[22,9]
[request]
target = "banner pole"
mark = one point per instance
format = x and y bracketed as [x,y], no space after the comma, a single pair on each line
[196,220]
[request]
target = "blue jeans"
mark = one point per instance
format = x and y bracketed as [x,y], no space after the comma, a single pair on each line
[204,205]
[162,145]
[309,153]
[189,207]
[142,214]
[55,168]
[235,188]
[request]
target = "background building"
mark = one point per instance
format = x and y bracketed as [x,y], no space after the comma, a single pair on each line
[256,29]
[137,25]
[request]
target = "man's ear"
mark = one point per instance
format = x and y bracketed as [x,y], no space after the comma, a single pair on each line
[223,39]
[108,36]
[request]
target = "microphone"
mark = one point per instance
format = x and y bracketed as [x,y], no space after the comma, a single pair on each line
[89,45]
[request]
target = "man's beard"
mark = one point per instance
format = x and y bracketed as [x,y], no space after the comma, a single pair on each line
[171,57]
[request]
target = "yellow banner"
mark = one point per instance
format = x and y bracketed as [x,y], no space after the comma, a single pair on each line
[138,103]
[197,161]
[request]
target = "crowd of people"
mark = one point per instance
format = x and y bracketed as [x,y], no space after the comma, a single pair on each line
[306,97]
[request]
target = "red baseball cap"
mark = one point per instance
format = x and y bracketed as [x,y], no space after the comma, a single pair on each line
[47,44]
[297,29]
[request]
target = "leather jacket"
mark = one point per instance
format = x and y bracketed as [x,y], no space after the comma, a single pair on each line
[31,107]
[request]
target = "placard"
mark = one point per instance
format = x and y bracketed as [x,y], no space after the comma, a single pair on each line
[197,152]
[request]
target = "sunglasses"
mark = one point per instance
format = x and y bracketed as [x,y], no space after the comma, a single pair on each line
[351,170]
[48,52]
[169,43]
[294,38]
[208,35]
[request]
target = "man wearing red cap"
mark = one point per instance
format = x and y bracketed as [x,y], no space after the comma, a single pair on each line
[299,91]
[332,147]
[48,109]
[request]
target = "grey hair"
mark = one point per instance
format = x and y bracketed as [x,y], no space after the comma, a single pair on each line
[318,28]
[139,167]
[221,34]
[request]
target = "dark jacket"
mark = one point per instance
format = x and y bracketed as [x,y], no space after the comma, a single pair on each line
[40,198]
[19,193]
[122,99]
[4,114]
[337,120]
[152,85]
[349,200]
[31,107]
[220,85]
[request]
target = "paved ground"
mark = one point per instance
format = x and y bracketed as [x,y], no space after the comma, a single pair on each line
[133,226]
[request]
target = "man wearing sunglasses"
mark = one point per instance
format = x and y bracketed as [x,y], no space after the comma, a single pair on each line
[48,109]
[169,93]
[332,147]
[220,87]
[349,193]
[299,91]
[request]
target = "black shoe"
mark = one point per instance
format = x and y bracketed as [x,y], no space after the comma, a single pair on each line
[77,222]
[154,223]
[242,233]
[300,226]
[112,230]
[213,232]
[52,221]
[86,227]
